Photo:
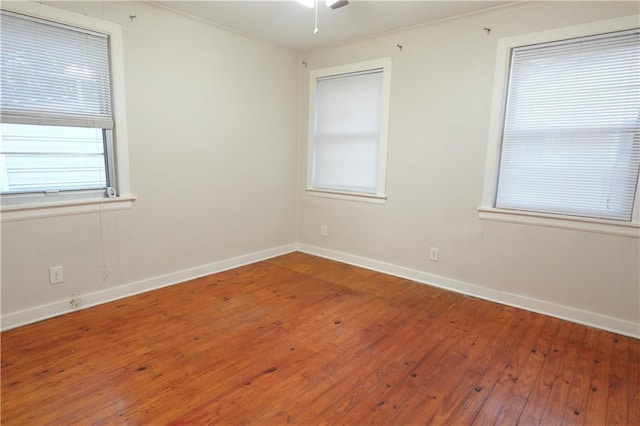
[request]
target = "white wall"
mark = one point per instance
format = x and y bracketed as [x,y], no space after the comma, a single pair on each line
[212,120]
[218,162]
[440,102]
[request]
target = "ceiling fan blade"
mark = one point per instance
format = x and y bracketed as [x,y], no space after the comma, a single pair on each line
[338,4]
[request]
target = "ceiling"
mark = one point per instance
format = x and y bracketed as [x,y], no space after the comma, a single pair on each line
[290,24]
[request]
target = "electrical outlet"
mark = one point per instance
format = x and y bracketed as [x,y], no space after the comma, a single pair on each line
[56,275]
[324,230]
[434,254]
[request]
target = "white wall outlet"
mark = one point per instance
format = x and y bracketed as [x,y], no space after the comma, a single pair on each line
[434,254]
[56,275]
[324,230]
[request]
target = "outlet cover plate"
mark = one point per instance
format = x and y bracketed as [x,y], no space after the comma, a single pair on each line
[434,254]
[56,275]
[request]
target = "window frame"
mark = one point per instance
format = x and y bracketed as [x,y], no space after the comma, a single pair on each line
[314,75]
[487,209]
[44,204]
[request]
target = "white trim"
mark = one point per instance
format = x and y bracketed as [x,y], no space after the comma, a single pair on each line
[352,196]
[579,316]
[317,74]
[598,226]
[13,212]
[120,148]
[61,16]
[38,313]
[500,82]
[121,135]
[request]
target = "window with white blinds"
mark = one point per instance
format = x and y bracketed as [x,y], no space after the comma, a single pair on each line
[56,107]
[571,139]
[349,129]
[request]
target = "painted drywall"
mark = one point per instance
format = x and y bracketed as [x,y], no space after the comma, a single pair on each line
[212,119]
[441,93]
[217,143]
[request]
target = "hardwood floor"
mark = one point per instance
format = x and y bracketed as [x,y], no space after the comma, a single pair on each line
[304,340]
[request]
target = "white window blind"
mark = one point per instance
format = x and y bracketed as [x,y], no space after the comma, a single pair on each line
[347,132]
[55,106]
[571,140]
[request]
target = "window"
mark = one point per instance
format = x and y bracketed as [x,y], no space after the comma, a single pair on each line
[61,107]
[349,109]
[570,129]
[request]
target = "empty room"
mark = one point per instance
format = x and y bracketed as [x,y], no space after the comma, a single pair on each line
[320,212]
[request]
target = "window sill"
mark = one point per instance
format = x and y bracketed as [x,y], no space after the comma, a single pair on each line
[13,212]
[599,226]
[351,196]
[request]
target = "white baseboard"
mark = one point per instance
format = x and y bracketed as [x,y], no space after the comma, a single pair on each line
[592,319]
[38,313]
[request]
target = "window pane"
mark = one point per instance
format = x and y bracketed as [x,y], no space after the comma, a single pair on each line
[53,72]
[41,158]
[347,163]
[571,141]
[347,132]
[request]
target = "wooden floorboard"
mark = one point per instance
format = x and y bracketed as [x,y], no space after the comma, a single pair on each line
[303,340]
